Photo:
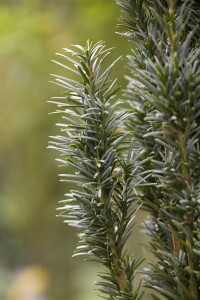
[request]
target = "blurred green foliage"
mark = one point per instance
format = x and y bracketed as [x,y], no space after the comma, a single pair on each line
[30,234]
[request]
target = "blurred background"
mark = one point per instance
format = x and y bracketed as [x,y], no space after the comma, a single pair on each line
[35,246]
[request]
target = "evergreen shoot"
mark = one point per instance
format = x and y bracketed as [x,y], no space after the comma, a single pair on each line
[94,144]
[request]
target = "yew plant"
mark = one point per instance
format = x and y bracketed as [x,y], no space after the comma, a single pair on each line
[145,157]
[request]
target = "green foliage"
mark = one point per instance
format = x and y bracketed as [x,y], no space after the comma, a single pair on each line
[164,93]
[150,154]
[94,144]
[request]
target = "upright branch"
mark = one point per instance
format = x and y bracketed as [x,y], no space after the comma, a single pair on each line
[94,144]
[164,94]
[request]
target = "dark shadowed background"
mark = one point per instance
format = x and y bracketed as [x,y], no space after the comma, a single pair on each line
[35,246]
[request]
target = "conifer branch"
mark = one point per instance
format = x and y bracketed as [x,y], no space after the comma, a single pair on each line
[93,142]
[164,93]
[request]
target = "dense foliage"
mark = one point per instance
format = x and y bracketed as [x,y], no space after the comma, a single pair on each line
[164,94]
[150,153]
